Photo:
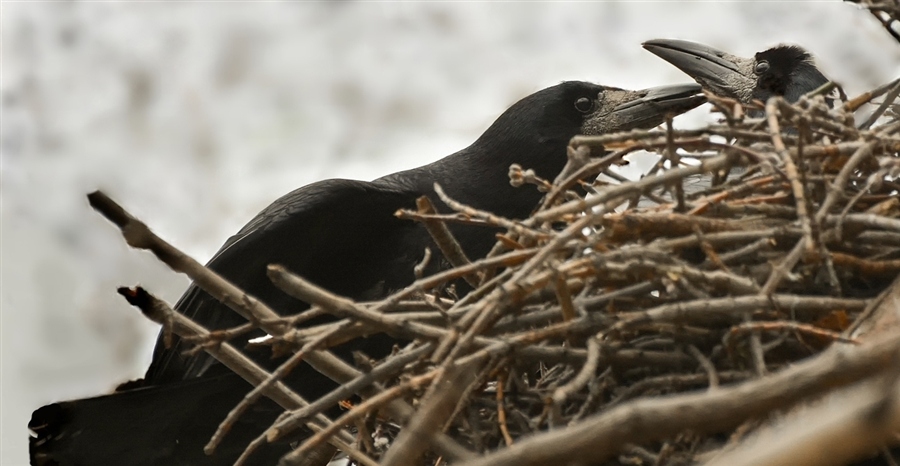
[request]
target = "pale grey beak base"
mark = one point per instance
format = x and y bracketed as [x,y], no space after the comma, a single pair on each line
[651,109]
[711,67]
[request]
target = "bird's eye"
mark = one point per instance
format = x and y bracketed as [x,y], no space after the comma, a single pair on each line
[584,105]
[761,67]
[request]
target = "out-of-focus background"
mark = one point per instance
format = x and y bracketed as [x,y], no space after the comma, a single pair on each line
[196,116]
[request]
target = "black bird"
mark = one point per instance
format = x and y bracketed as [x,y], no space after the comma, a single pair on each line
[343,236]
[788,71]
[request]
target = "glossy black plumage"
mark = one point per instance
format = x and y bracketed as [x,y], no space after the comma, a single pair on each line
[343,236]
[156,425]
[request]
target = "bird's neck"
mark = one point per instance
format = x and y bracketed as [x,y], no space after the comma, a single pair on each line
[478,176]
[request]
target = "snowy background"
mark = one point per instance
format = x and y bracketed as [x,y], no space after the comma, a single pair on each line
[195,116]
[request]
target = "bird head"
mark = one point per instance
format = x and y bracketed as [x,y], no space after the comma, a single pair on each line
[613,109]
[555,114]
[535,131]
[784,70]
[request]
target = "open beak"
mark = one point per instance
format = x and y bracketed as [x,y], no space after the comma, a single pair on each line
[652,105]
[719,72]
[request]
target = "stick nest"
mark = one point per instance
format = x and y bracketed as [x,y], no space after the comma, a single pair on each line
[653,287]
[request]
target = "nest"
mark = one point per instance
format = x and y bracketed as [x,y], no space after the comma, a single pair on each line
[717,287]
[648,322]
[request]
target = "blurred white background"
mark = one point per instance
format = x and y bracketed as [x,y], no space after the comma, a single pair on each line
[195,116]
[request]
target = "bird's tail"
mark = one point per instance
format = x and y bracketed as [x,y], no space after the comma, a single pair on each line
[157,425]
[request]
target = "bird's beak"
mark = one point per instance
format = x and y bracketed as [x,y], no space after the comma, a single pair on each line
[651,106]
[719,72]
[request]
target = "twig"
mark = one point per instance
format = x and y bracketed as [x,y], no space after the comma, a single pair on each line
[158,311]
[437,405]
[445,240]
